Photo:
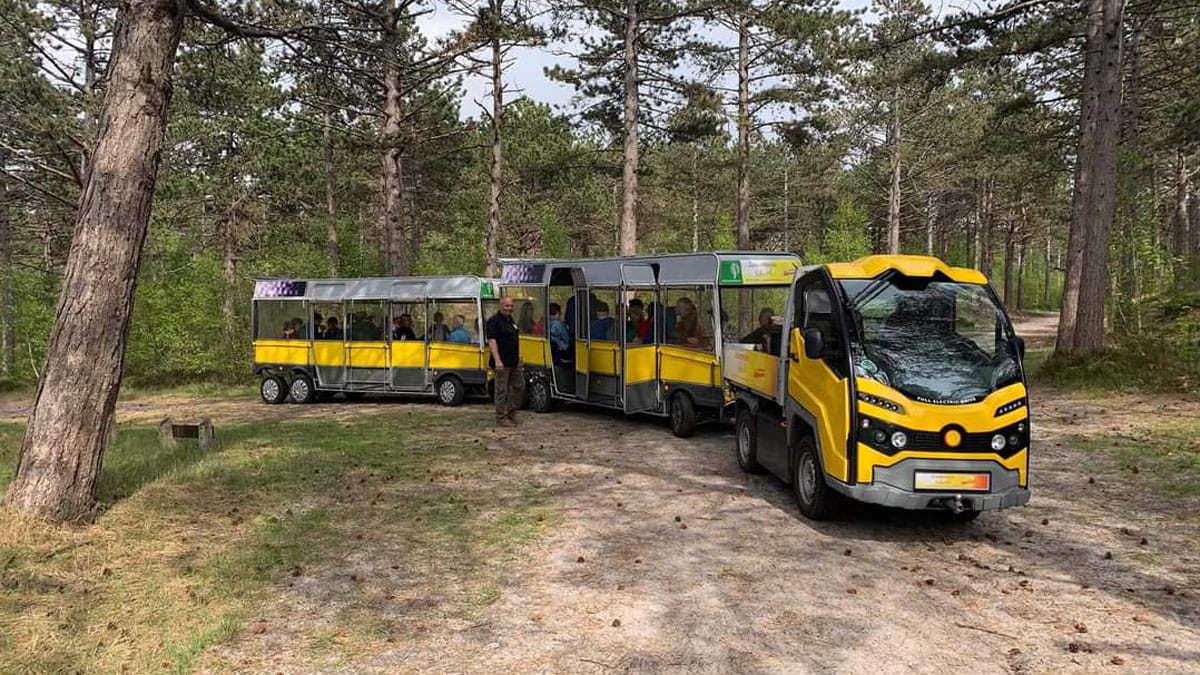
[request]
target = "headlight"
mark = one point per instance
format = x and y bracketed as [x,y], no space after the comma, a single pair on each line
[880,436]
[899,439]
[998,442]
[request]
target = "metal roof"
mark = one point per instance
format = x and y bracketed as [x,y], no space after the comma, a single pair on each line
[381,288]
[674,268]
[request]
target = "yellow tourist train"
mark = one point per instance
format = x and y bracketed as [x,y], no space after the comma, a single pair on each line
[641,334]
[899,382]
[407,335]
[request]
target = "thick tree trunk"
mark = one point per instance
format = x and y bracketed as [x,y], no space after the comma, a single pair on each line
[493,231]
[394,224]
[1081,325]
[76,396]
[743,157]
[893,222]
[332,249]
[7,332]
[629,170]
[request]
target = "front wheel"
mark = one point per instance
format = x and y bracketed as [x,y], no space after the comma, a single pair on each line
[683,415]
[302,389]
[450,391]
[539,395]
[747,441]
[273,389]
[815,498]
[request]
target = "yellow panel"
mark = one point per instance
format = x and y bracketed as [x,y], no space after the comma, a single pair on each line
[604,358]
[408,354]
[581,356]
[910,265]
[534,350]
[446,355]
[639,364]
[693,367]
[368,354]
[973,417]
[289,352]
[869,458]
[756,370]
[329,353]
[827,397]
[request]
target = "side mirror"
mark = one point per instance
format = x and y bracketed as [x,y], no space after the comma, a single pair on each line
[814,343]
[1020,343]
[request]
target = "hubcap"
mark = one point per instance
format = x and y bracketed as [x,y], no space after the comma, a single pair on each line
[744,443]
[300,390]
[807,480]
[447,390]
[270,389]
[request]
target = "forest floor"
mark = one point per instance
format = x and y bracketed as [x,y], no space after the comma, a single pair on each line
[591,543]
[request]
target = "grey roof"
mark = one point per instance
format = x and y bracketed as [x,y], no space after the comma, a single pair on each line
[674,268]
[386,288]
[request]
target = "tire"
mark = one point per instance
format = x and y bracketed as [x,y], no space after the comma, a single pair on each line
[273,389]
[450,391]
[354,396]
[538,395]
[817,501]
[302,389]
[746,432]
[683,415]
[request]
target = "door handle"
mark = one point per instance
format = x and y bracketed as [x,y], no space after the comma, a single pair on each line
[794,357]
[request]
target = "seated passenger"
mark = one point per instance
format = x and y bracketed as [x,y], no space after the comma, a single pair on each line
[289,331]
[401,330]
[603,324]
[525,322]
[687,324]
[638,329]
[319,325]
[459,333]
[332,330]
[438,332]
[560,338]
[760,335]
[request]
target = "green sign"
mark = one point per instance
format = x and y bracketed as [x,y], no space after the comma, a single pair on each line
[487,290]
[731,272]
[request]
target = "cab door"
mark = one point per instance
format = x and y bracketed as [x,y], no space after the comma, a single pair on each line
[409,358]
[820,387]
[639,362]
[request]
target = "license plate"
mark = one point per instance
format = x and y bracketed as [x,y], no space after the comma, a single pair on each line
[926,480]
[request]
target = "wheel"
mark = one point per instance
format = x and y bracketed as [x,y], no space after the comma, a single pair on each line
[354,396]
[538,395]
[964,516]
[815,498]
[683,415]
[747,441]
[273,389]
[302,389]
[450,391]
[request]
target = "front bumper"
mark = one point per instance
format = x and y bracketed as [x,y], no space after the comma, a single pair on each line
[893,486]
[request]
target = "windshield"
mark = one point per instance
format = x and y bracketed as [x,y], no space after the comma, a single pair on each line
[935,341]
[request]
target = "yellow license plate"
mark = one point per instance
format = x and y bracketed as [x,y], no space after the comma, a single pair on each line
[930,480]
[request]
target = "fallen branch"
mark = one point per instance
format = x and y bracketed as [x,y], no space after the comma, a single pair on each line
[45,557]
[987,630]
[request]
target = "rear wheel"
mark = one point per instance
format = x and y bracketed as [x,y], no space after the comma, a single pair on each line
[450,391]
[683,415]
[747,441]
[815,498]
[273,389]
[302,389]
[538,395]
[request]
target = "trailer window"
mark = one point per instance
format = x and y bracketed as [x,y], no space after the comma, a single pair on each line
[281,320]
[753,315]
[688,319]
[408,321]
[530,308]
[454,321]
[602,325]
[367,319]
[327,321]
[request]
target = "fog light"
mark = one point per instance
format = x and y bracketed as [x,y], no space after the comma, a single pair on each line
[899,439]
[1014,441]
[880,437]
[998,442]
[866,423]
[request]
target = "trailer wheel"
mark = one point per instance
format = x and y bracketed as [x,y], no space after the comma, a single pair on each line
[273,389]
[747,441]
[302,389]
[450,391]
[817,501]
[683,415]
[538,395]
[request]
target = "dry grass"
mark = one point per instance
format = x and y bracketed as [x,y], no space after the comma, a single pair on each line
[379,523]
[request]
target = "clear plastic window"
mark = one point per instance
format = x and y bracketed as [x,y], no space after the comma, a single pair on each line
[455,321]
[328,322]
[602,325]
[281,320]
[753,315]
[367,320]
[408,321]
[530,308]
[640,306]
[688,319]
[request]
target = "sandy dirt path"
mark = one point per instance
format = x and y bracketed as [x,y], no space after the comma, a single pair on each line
[669,559]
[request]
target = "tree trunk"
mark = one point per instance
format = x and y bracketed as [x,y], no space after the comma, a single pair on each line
[7,332]
[393,158]
[893,223]
[931,216]
[1021,274]
[331,234]
[1049,273]
[1180,243]
[229,234]
[1081,324]
[493,231]
[76,396]
[1010,256]
[629,177]
[743,157]
[1194,234]
[787,225]
[695,198]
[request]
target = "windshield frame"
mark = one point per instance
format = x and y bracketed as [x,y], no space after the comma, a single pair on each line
[855,332]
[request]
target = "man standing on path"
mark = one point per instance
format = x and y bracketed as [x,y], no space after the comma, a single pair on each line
[504,342]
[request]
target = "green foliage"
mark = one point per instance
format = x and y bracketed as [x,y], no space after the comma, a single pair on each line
[845,235]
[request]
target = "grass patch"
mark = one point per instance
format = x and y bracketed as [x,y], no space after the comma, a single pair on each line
[1166,456]
[371,524]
